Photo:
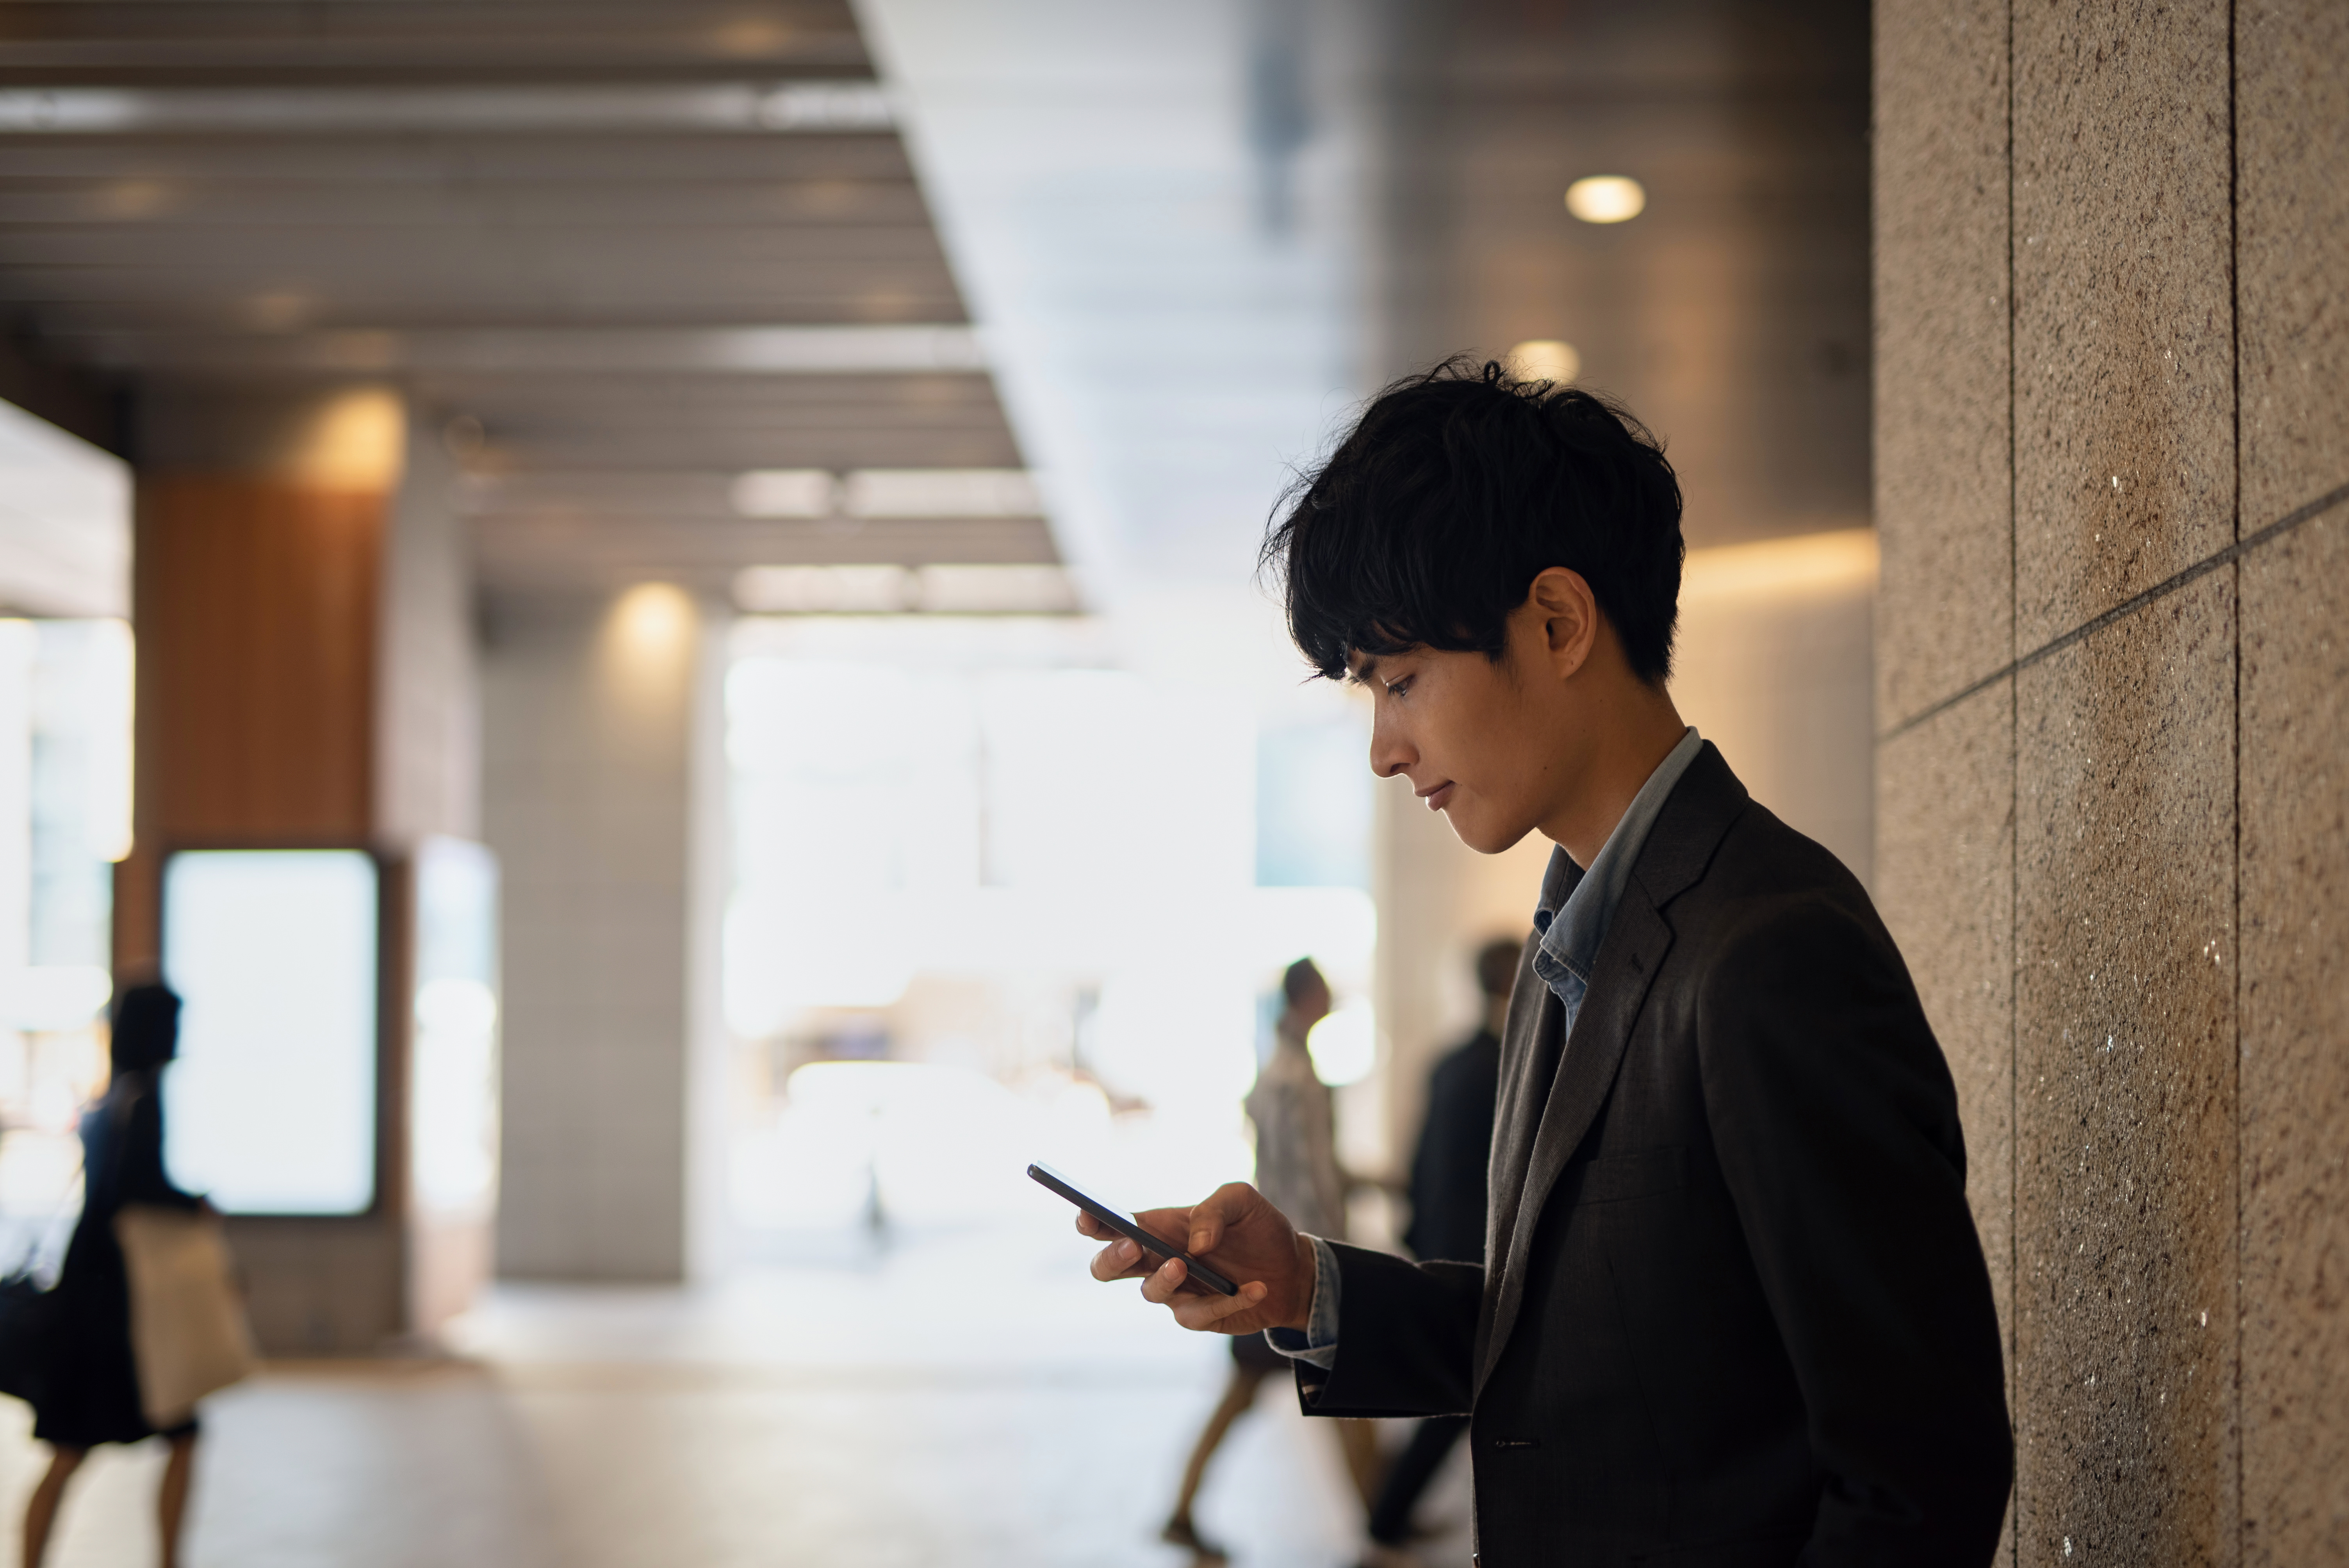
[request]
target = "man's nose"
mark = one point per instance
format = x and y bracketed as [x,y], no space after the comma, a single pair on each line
[1389,752]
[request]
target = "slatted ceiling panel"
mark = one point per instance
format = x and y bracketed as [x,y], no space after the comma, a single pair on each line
[852,209]
[580,168]
[724,424]
[523,159]
[448,244]
[90,42]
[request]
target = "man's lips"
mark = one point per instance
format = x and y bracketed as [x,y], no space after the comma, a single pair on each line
[1437,798]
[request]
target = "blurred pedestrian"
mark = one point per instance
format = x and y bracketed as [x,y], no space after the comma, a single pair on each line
[1296,1157]
[1448,1176]
[89,1390]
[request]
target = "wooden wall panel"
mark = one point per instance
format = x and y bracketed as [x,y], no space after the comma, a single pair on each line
[255,601]
[256,614]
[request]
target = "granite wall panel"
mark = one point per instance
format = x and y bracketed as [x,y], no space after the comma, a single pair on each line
[1942,497]
[1945,843]
[2293,239]
[2123,300]
[2126,1213]
[2295,1048]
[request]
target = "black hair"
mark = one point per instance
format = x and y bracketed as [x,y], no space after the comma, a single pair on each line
[1299,978]
[1456,489]
[1496,966]
[146,1031]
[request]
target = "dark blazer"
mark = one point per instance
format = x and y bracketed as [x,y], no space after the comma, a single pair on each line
[1735,1312]
[1448,1170]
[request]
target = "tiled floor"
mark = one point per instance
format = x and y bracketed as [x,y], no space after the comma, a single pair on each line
[968,1399]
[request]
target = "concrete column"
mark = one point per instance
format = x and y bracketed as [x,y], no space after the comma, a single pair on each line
[589,709]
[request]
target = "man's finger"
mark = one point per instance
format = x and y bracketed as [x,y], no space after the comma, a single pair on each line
[1228,1204]
[1206,1312]
[1166,1282]
[1119,1260]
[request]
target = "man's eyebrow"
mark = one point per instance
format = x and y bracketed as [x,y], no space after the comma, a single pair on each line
[1364,673]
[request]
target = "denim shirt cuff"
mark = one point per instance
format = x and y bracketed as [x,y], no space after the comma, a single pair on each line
[1317,1346]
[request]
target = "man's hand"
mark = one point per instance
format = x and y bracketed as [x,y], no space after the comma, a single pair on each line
[1248,1240]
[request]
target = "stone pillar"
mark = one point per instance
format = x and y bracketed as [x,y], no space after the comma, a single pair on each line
[2112,495]
[589,707]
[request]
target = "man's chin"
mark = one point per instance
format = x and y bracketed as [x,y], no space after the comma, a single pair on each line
[1485,837]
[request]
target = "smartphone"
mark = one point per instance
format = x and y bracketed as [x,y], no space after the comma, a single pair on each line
[1127,1228]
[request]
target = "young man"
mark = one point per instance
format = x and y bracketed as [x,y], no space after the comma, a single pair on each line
[1732,1310]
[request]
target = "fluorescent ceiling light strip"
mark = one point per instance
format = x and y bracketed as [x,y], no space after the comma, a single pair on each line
[806,106]
[948,589]
[750,350]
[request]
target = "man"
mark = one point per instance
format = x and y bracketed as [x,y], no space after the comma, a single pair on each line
[1447,1219]
[1732,1309]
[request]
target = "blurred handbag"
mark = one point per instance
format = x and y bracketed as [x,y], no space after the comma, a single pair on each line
[188,1331]
[32,1317]
[28,1332]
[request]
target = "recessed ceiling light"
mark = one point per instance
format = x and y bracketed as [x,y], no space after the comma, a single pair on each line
[1544,359]
[1606,199]
[939,589]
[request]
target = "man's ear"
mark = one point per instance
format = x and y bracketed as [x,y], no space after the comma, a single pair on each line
[1569,618]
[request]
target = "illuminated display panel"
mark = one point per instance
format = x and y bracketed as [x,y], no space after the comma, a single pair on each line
[271,1107]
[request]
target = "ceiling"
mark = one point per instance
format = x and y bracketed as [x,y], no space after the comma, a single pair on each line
[620,253]
[1200,234]
[626,252]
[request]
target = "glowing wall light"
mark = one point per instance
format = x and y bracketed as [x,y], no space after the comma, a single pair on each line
[646,646]
[357,440]
[1544,359]
[1606,199]
[1838,562]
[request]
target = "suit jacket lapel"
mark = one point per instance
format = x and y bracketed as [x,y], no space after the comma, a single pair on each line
[1637,939]
[1530,1041]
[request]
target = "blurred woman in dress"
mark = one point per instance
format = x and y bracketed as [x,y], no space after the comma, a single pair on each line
[90,1386]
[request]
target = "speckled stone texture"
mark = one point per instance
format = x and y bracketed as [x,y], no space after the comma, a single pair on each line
[2126,1116]
[2292,65]
[1945,836]
[1945,886]
[2295,1048]
[1943,504]
[2123,410]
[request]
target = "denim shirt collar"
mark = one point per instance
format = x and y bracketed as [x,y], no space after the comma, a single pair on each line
[1577,907]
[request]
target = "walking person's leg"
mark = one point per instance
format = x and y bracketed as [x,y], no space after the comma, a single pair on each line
[171,1496]
[1359,1441]
[1239,1393]
[1414,1469]
[41,1510]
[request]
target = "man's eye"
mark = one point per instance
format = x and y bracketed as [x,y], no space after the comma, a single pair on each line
[1397,688]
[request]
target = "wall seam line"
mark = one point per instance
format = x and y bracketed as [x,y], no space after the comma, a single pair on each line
[2235,328]
[2014,852]
[2127,607]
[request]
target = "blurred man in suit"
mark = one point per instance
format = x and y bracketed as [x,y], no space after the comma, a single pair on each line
[1447,1217]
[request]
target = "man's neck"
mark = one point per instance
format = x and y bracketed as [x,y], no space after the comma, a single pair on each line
[1642,734]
